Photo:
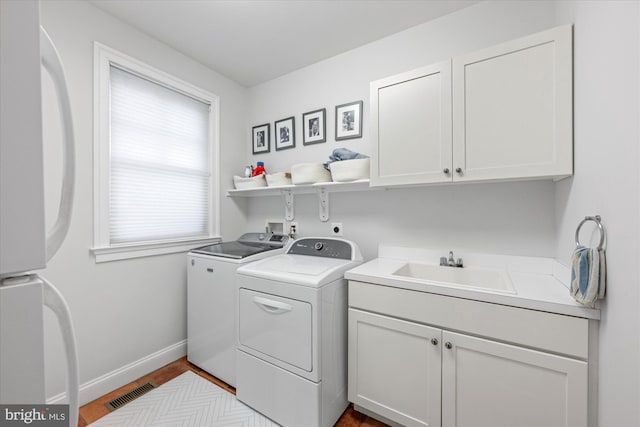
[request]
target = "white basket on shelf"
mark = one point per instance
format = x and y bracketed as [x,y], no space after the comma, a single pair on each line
[350,170]
[278,179]
[251,182]
[309,173]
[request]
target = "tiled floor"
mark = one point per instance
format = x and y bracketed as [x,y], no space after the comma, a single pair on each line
[97,409]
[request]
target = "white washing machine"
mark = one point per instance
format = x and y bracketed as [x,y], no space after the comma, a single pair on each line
[292,332]
[211,299]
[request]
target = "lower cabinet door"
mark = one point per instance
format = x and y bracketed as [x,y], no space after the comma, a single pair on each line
[486,383]
[395,368]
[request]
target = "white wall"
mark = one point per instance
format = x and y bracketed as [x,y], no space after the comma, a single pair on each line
[126,310]
[505,218]
[606,182]
[524,218]
[511,218]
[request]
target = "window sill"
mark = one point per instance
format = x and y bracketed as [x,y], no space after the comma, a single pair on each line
[115,253]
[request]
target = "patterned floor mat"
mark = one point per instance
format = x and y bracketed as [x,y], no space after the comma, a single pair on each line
[189,401]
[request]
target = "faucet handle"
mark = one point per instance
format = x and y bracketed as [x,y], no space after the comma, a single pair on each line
[459,262]
[443,260]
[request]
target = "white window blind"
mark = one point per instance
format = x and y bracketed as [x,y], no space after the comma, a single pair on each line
[159,162]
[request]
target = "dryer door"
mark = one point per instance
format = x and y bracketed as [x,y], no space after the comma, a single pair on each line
[278,327]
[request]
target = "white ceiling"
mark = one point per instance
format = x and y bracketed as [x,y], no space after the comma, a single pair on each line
[253,41]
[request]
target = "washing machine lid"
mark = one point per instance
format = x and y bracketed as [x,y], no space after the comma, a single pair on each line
[235,250]
[247,245]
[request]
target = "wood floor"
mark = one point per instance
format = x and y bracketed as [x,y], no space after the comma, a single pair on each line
[94,410]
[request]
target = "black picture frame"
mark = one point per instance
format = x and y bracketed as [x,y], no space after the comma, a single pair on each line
[314,127]
[284,133]
[261,138]
[349,121]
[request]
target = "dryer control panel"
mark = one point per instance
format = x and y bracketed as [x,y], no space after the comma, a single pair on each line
[322,247]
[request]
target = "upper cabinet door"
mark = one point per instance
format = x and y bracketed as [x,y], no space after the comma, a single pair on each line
[512,109]
[411,127]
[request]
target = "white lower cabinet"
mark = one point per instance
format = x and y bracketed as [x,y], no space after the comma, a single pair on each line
[491,384]
[416,374]
[394,369]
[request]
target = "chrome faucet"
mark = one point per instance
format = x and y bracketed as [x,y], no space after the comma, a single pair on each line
[450,262]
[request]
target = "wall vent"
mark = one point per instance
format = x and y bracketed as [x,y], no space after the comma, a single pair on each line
[132,395]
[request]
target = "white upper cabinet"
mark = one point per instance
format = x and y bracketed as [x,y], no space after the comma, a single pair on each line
[512,109]
[501,113]
[411,134]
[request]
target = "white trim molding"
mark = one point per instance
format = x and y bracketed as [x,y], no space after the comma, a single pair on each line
[115,379]
[104,58]
[115,253]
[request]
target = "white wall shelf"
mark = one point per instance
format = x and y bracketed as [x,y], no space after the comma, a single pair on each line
[359,185]
[322,189]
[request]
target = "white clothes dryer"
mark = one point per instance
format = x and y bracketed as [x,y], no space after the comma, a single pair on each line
[211,299]
[292,332]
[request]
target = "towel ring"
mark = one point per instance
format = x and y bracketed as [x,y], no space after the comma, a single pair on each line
[597,220]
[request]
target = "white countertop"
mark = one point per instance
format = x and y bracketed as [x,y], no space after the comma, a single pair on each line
[533,279]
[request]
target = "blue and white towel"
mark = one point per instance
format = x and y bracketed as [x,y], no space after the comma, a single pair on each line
[588,275]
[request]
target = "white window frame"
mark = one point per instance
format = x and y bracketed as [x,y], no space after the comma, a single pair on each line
[103,250]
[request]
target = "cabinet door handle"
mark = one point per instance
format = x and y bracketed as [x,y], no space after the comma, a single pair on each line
[459,170]
[446,171]
[448,345]
[209,269]
[434,341]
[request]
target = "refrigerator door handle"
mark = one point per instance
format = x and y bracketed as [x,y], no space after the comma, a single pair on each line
[54,300]
[53,64]
[52,297]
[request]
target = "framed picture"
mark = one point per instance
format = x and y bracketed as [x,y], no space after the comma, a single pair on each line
[314,127]
[285,133]
[349,121]
[261,139]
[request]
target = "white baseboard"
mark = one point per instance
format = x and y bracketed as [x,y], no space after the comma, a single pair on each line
[110,381]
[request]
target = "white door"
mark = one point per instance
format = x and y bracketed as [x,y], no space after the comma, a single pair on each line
[22,220]
[411,127]
[512,109]
[22,337]
[276,327]
[394,368]
[490,384]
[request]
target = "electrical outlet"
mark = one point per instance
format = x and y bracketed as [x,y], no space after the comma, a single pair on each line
[294,228]
[336,229]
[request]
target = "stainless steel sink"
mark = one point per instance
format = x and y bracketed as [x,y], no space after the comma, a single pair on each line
[468,277]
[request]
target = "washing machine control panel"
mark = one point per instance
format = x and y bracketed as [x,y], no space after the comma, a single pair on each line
[326,248]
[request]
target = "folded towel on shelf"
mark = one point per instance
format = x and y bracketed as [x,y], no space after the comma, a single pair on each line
[344,154]
[588,275]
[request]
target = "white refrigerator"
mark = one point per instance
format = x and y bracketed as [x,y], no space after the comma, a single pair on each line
[25,53]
